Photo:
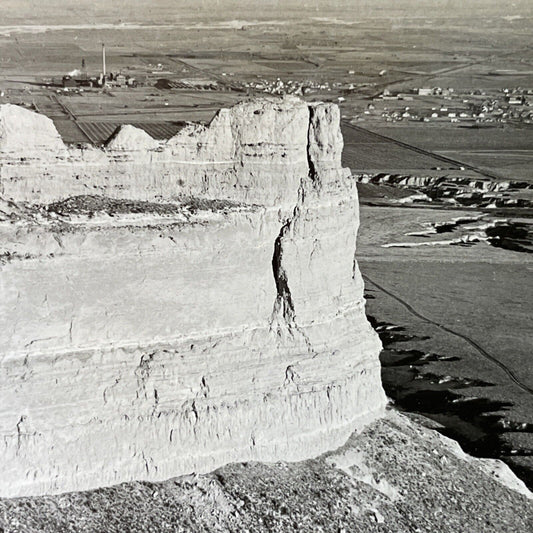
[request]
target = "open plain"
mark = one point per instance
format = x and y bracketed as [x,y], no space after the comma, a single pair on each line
[455,320]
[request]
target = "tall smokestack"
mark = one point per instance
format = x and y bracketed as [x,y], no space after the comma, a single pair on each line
[103,59]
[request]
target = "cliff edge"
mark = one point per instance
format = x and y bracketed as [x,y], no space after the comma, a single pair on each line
[170,307]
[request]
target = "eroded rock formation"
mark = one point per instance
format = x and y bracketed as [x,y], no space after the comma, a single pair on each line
[169,307]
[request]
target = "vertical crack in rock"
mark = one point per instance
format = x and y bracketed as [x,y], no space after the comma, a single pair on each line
[20,432]
[316,140]
[204,387]
[142,372]
[284,304]
[196,415]
[146,463]
[291,376]
[108,389]
[313,175]
[70,330]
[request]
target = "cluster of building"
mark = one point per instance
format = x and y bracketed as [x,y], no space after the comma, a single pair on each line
[299,87]
[512,108]
[505,106]
[433,91]
[407,113]
[518,96]
[280,87]
[80,78]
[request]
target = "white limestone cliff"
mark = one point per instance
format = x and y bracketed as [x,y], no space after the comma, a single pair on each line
[194,302]
[25,134]
[130,138]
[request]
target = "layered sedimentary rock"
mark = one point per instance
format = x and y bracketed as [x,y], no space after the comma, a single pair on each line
[168,307]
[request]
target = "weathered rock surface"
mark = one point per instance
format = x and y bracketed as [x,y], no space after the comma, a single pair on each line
[24,134]
[174,308]
[129,137]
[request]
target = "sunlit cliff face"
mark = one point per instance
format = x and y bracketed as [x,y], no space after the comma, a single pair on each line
[169,307]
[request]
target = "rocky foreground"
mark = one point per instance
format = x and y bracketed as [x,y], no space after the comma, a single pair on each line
[396,476]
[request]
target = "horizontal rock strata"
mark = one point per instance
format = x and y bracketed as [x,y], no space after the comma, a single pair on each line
[169,307]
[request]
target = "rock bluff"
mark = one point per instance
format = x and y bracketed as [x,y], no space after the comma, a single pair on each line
[169,307]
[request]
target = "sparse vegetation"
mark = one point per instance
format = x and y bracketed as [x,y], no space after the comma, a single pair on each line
[91,205]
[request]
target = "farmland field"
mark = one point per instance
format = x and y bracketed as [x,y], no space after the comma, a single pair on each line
[441,137]
[371,156]
[366,152]
[510,164]
[100,132]
[70,132]
[507,151]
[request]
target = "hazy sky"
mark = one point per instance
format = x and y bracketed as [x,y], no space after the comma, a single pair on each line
[169,11]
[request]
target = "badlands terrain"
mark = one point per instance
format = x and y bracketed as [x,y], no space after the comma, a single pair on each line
[452,307]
